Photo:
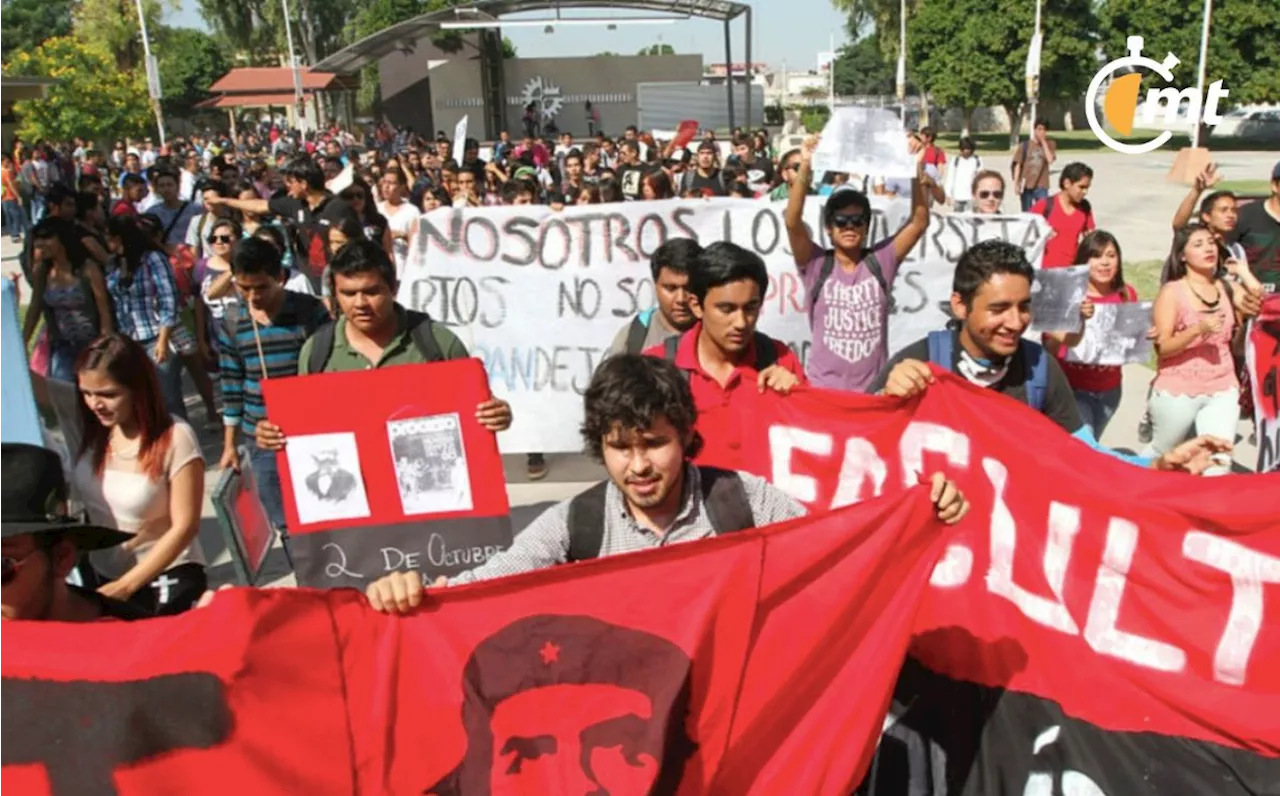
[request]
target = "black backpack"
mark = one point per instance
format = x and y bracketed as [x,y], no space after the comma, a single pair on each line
[766,351]
[829,265]
[420,331]
[723,498]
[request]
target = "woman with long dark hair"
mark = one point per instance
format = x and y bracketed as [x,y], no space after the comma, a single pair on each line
[139,470]
[401,215]
[360,198]
[69,291]
[1195,390]
[656,185]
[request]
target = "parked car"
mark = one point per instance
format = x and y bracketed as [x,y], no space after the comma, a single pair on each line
[1250,122]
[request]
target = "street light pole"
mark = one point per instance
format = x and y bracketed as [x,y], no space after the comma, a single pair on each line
[1033,68]
[1204,54]
[153,73]
[293,63]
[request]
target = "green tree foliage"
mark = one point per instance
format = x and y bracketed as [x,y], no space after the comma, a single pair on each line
[92,98]
[972,53]
[112,26]
[190,61]
[657,49]
[861,68]
[27,23]
[1242,41]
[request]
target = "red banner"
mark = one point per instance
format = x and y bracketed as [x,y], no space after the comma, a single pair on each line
[758,663]
[1153,586]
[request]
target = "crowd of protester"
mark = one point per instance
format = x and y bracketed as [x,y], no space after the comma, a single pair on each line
[269,254]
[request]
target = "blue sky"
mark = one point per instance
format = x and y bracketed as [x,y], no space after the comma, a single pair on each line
[790,30]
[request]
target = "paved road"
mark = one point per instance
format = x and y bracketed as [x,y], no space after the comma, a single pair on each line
[1130,195]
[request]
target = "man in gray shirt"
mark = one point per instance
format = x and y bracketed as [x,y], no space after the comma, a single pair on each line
[639,422]
[670,267]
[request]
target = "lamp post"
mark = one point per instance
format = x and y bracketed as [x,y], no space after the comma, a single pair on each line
[1204,54]
[153,73]
[902,60]
[293,63]
[1033,68]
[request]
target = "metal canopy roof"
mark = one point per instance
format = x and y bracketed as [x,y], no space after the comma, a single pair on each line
[404,36]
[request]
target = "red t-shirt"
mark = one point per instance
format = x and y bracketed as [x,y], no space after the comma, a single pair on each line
[934,156]
[123,207]
[1096,378]
[721,415]
[1068,228]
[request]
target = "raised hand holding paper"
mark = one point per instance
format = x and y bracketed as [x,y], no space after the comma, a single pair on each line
[1115,335]
[867,141]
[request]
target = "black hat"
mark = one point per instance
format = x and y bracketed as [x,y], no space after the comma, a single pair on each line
[32,491]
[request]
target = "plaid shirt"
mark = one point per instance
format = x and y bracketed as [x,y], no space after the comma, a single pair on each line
[149,302]
[545,542]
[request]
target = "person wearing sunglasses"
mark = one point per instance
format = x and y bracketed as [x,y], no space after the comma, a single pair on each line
[849,287]
[40,547]
[215,282]
[988,193]
[787,171]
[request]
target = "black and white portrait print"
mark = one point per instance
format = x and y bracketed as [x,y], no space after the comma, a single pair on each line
[431,464]
[1056,296]
[1115,335]
[325,472]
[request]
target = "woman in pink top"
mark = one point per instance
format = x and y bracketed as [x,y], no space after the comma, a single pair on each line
[1195,390]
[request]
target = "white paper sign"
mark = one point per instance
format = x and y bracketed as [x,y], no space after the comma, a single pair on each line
[1056,297]
[539,295]
[1115,335]
[460,140]
[866,141]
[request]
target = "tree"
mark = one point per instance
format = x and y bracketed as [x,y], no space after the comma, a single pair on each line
[508,48]
[91,98]
[112,26]
[813,92]
[657,49]
[972,53]
[27,23]
[1242,51]
[190,61]
[861,68]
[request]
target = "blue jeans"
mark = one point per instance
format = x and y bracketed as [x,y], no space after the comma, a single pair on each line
[169,373]
[37,208]
[267,476]
[62,361]
[1097,408]
[1032,196]
[15,218]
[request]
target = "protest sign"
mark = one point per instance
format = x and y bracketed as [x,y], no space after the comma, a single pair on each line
[866,141]
[775,648]
[1115,335]
[1056,297]
[407,479]
[19,422]
[246,529]
[460,139]
[539,295]
[1262,355]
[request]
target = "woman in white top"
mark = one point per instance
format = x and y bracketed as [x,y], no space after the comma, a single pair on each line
[959,178]
[215,283]
[139,470]
[402,216]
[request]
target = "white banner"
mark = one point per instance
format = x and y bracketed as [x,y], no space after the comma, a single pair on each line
[539,294]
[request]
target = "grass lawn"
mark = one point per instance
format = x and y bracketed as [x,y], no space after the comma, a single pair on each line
[1245,187]
[1144,275]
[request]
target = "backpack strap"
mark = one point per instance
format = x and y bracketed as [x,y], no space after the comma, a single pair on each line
[670,346]
[586,524]
[422,333]
[725,500]
[636,334]
[1037,373]
[231,320]
[177,217]
[873,265]
[321,347]
[824,273]
[942,349]
[766,351]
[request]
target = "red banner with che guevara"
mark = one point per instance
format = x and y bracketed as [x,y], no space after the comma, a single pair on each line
[1088,620]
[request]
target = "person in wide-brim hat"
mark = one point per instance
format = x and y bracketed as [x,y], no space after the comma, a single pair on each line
[41,543]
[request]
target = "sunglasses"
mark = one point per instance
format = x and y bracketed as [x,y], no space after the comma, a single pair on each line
[990,194]
[848,220]
[9,567]
[221,239]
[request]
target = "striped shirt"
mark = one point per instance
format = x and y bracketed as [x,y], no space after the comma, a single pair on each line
[296,320]
[545,542]
[148,302]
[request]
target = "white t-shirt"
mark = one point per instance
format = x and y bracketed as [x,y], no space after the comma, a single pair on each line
[400,220]
[129,501]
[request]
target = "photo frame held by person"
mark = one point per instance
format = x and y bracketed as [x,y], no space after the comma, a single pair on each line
[245,527]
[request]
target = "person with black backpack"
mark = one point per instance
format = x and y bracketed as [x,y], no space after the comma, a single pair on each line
[991,304]
[670,266]
[849,287]
[374,331]
[640,423]
[1069,214]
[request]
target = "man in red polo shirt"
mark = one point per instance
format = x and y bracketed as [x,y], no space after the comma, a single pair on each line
[723,355]
[1069,213]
